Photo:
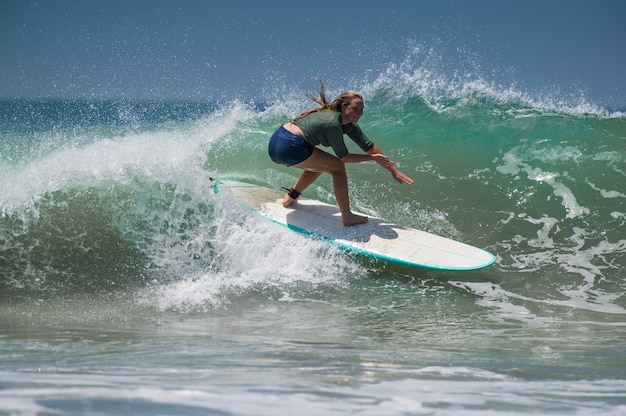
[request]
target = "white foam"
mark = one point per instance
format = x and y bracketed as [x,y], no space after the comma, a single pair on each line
[162,155]
[432,390]
[606,193]
[543,239]
[423,73]
[508,305]
[618,215]
[247,252]
[517,161]
[569,200]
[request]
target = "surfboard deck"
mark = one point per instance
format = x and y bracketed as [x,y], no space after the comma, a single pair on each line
[377,238]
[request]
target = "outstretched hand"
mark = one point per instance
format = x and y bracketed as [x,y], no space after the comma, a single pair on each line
[401,177]
[388,164]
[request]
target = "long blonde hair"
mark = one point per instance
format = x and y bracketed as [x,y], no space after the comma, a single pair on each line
[323,105]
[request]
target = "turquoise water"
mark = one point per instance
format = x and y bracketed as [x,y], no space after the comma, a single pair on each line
[127,286]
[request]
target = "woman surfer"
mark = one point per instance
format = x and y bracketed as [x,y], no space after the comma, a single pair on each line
[295,144]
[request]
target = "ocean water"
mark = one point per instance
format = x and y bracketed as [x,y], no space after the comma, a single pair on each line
[127,286]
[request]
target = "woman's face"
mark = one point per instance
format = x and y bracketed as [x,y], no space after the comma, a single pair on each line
[352,112]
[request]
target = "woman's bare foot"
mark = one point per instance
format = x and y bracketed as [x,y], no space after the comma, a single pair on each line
[353,219]
[287,201]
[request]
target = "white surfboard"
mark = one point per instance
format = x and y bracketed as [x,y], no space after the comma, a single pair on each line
[377,238]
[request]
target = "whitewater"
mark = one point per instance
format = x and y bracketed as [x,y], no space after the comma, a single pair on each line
[127,286]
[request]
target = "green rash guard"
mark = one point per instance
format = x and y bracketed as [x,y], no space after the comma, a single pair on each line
[324,127]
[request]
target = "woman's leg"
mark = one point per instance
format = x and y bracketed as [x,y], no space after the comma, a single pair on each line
[306,179]
[313,167]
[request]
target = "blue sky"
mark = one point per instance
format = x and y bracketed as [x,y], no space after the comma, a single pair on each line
[207,50]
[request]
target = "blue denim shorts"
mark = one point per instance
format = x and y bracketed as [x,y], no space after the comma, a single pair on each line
[288,149]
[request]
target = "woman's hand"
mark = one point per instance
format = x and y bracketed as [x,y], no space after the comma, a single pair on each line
[385,162]
[401,177]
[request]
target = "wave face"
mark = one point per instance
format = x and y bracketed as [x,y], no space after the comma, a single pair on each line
[115,197]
